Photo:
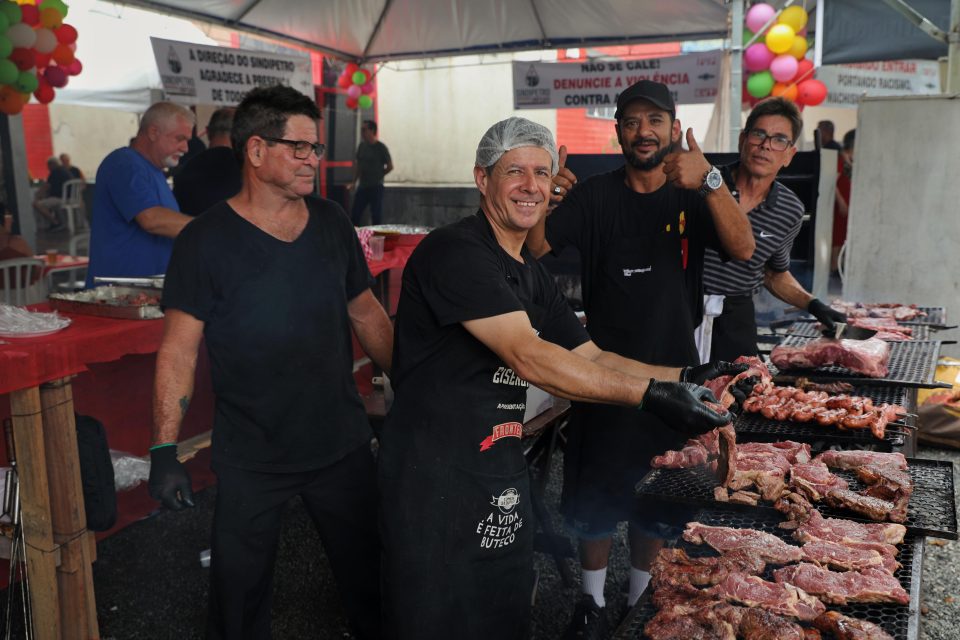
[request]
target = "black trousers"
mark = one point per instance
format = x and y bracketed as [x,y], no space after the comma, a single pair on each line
[734,330]
[342,502]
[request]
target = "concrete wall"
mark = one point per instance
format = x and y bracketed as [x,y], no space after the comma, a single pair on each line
[428,206]
[88,134]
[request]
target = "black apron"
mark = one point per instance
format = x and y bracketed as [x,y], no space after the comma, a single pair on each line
[734,330]
[456,517]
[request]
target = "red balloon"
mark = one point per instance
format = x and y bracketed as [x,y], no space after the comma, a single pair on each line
[344,81]
[22,57]
[350,69]
[30,14]
[66,34]
[811,92]
[804,71]
[352,103]
[42,60]
[75,67]
[44,93]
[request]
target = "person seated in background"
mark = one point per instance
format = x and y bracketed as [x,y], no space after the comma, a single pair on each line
[214,174]
[135,216]
[75,172]
[841,203]
[49,196]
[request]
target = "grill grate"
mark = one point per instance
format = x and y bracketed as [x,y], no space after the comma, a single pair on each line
[897,620]
[812,330]
[935,315]
[757,425]
[911,363]
[932,510]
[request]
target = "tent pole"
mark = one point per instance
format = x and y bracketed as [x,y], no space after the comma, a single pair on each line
[736,70]
[953,49]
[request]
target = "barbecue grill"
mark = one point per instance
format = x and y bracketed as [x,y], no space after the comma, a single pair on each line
[900,621]
[812,330]
[931,511]
[912,364]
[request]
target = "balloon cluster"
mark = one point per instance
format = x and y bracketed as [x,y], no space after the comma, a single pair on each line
[776,61]
[359,85]
[36,52]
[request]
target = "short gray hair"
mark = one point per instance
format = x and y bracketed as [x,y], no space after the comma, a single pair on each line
[160,113]
[514,133]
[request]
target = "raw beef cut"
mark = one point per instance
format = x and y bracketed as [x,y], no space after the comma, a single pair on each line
[831,587]
[816,527]
[854,459]
[846,628]
[867,357]
[721,386]
[673,567]
[724,539]
[841,556]
[867,506]
[815,479]
[783,599]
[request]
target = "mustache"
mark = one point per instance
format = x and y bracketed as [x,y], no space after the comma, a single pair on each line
[643,141]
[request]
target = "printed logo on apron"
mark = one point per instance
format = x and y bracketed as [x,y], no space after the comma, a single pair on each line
[684,248]
[499,529]
[505,430]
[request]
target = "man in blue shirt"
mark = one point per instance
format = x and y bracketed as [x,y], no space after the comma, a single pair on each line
[135,216]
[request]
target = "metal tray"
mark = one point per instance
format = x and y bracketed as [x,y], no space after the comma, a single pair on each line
[107,302]
[900,621]
[912,364]
[932,510]
[812,330]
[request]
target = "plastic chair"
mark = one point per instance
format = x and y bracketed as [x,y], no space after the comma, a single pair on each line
[72,204]
[75,280]
[22,281]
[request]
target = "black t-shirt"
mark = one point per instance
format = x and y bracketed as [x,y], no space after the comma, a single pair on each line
[55,182]
[206,179]
[278,334]
[641,264]
[445,379]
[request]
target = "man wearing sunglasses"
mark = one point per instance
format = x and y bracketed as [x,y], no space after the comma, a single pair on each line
[775,212]
[273,280]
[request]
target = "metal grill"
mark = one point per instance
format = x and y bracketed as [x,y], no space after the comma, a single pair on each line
[812,330]
[931,511]
[935,315]
[900,621]
[911,364]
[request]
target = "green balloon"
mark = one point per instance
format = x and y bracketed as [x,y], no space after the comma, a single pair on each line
[27,82]
[11,10]
[359,77]
[760,84]
[59,5]
[8,72]
[365,102]
[4,22]
[6,47]
[747,34]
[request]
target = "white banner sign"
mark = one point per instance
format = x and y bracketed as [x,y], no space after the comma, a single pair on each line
[847,83]
[198,74]
[692,79]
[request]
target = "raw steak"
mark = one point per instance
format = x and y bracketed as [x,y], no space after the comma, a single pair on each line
[831,587]
[867,357]
[817,527]
[814,479]
[854,459]
[767,546]
[846,628]
[840,556]
[783,599]
[674,567]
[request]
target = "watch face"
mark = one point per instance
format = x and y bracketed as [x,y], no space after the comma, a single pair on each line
[714,179]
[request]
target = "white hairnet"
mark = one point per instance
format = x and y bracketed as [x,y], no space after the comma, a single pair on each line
[513,133]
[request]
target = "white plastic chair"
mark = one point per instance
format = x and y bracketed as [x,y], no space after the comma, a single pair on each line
[72,204]
[79,246]
[19,286]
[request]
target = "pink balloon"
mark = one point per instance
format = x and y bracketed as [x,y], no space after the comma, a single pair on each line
[759,15]
[757,57]
[75,67]
[783,68]
[367,88]
[354,91]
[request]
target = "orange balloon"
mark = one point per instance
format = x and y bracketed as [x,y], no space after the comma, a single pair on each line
[51,18]
[10,101]
[63,54]
[785,90]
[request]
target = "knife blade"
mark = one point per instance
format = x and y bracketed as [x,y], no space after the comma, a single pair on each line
[844,331]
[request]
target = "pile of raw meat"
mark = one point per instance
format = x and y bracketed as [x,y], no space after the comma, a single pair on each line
[887,329]
[867,357]
[837,562]
[892,310]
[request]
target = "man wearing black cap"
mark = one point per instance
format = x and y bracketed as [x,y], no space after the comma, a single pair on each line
[641,231]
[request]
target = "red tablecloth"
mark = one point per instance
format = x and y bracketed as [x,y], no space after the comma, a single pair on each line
[64,263]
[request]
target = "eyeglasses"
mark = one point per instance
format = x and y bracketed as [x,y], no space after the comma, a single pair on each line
[301,148]
[778,142]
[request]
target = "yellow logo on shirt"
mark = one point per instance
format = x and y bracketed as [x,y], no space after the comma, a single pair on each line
[683,222]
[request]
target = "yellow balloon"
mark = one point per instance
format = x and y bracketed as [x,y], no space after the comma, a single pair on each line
[793,17]
[26,2]
[780,38]
[799,47]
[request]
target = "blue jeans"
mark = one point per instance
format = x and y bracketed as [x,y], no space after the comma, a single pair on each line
[364,196]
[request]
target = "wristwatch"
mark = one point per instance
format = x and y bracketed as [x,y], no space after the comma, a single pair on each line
[711,181]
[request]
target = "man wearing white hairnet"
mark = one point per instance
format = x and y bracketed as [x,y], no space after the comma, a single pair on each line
[478,320]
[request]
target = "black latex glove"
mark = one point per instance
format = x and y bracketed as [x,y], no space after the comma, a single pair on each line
[825,314]
[703,372]
[740,391]
[680,405]
[169,481]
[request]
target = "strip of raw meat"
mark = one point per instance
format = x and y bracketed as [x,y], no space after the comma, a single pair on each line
[840,556]
[674,567]
[816,527]
[831,587]
[888,483]
[867,506]
[783,599]
[687,458]
[854,459]
[868,357]
[727,455]
[757,624]
[721,386]
[846,628]
[767,546]
[695,626]
[815,479]
[794,452]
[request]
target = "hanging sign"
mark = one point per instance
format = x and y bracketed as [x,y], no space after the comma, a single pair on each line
[693,79]
[847,83]
[198,74]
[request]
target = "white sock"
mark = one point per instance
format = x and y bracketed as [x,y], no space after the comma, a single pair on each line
[639,580]
[591,583]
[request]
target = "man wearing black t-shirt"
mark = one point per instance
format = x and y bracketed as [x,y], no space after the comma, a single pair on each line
[213,174]
[641,231]
[273,281]
[478,320]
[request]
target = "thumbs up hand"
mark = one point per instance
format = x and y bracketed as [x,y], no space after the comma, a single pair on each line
[686,169]
[563,181]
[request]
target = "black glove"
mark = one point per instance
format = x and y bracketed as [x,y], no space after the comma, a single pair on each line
[680,405]
[703,372]
[168,477]
[740,391]
[826,314]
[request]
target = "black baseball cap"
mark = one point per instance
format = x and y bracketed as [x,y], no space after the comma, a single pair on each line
[654,92]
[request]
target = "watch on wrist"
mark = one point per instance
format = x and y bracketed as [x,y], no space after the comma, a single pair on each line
[712,180]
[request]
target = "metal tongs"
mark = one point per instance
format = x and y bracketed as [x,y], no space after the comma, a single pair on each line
[150,282]
[844,331]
